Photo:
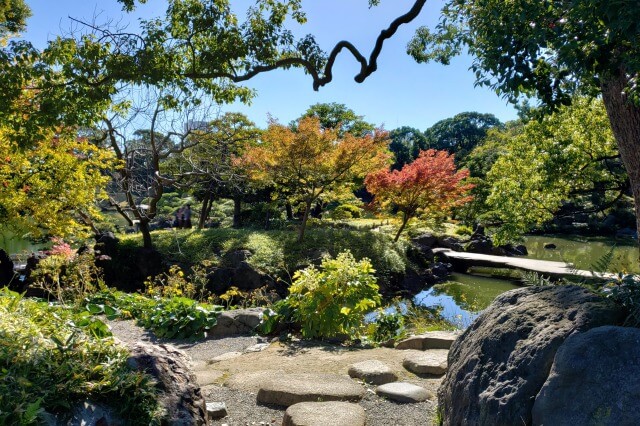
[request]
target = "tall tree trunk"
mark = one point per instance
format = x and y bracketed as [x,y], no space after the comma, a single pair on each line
[405,219]
[289,210]
[146,233]
[625,123]
[204,211]
[237,211]
[303,225]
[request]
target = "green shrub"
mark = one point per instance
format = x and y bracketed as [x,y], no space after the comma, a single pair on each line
[463,230]
[170,317]
[51,358]
[387,326]
[333,299]
[346,211]
[625,291]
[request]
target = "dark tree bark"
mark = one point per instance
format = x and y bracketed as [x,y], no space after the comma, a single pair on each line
[204,212]
[146,233]
[624,116]
[405,219]
[305,217]
[289,210]
[237,211]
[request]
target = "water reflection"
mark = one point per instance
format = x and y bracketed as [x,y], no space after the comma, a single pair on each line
[586,252]
[463,297]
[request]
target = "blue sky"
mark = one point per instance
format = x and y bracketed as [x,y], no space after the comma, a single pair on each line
[400,93]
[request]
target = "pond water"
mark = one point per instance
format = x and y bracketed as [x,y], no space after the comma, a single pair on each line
[13,244]
[585,252]
[464,296]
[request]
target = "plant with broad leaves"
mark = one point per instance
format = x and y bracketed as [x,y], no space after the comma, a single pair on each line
[332,300]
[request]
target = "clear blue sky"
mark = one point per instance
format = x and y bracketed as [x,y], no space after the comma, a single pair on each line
[400,93]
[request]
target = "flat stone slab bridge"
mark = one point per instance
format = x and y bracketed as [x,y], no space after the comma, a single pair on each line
[462,261]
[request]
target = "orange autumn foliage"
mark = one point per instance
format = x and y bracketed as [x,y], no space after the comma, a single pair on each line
[428,187]
[311,162]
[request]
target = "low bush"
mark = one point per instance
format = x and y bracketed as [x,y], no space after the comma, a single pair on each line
[51,358]
[331,300]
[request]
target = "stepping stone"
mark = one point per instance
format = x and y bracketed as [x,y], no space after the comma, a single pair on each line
[429,340]
[216,410]
[427,362]
[225,356]
[403,392]
[208,377]
[258,347]
[372,371]
[324,414]
[289,389]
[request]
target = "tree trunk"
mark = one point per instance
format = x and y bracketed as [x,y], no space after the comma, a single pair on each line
[305,217]
[146,234]
[625,123]
[237,212]
[204,212]
[405,219]
[289,210]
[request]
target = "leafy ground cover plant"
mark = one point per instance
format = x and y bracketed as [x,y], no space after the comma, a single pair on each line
[170,317]
[51,357]
[331,300]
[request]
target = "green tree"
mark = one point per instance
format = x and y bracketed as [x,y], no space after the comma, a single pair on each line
[461,133]
[208,168]
[551,50]
[406,144]
[338,116]
[567,154]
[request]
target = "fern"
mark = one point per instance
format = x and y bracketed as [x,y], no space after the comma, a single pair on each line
[531,278]
[604,262]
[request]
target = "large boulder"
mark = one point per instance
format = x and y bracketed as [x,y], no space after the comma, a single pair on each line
[499,364]
[593,380]
[179,392]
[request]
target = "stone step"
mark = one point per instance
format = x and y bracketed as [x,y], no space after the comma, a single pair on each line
[429,340]
[372,371]
[433,361]
[330,413]
[289,389]
[403,392]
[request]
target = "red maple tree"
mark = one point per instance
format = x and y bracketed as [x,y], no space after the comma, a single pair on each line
[428,187]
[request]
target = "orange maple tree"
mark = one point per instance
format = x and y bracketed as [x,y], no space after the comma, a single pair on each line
[311,162]
[428,187]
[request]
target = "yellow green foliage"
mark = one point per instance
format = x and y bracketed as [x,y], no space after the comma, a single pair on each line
[51,187]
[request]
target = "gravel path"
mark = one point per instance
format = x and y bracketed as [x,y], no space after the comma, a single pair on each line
[234,386]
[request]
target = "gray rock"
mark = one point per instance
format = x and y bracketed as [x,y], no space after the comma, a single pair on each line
[234,258]
[499,364]
[324,414]
[216,410]
[426,240]
[429,362]
[236,322]
[372,371]
[403,392]
[179,392]
[225,356]
[593,380]
[429,340]
[289,389]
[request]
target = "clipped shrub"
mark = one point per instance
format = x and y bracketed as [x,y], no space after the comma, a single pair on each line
[332,300]
[346,211]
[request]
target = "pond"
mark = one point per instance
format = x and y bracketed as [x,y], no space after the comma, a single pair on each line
[464,296]
[585,252]
[14,244]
